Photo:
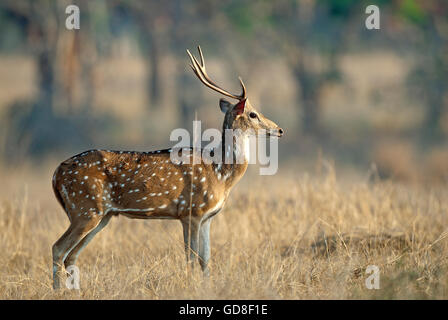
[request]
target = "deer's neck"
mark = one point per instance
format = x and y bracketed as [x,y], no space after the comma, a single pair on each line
[237,151]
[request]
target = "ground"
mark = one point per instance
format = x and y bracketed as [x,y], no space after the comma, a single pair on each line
[290,236]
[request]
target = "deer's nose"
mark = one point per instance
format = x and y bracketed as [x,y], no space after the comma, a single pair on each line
[280,131]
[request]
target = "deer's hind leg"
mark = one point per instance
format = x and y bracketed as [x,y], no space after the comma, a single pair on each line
[77,230]
[76,251]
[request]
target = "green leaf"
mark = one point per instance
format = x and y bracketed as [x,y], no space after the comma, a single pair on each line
[413,12]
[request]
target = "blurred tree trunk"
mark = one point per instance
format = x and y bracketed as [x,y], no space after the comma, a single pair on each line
[39,23]
[312,36]
[145,16]
[36,127]
[186,94]
[310,87]
[153,86]
[434,74]
[42,35]
[45,76]
[87,55]
[312,84]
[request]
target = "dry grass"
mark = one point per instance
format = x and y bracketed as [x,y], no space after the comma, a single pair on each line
[279,237]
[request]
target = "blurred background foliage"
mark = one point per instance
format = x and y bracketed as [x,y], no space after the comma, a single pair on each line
[365,98]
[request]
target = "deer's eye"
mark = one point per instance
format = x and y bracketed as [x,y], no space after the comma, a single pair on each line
[253,115]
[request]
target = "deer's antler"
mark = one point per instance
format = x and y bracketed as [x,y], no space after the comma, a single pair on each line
[201,73]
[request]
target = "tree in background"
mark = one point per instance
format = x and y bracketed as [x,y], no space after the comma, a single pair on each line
[310,36]
[64,65]
[147,17]
[428,81]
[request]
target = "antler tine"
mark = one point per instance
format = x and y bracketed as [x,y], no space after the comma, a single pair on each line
[201,73]
[203,70]
[202,57]
[243,94]
[194,66]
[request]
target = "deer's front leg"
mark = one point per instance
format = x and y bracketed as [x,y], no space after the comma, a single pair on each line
[191,239]
[204,246]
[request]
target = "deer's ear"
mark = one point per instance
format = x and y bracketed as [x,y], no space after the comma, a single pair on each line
[224,105]
[239,107]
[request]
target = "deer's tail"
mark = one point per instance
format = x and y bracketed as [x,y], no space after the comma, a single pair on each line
[55,187]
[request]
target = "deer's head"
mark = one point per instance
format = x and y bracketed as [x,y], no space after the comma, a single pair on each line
[241,115]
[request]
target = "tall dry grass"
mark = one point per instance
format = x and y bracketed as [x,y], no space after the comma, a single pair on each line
[291,236]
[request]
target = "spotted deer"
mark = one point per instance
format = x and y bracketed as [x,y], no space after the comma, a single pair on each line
[95,185]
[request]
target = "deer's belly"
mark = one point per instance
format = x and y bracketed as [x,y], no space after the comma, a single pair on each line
[145,215]
[150,212]
[156,206]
